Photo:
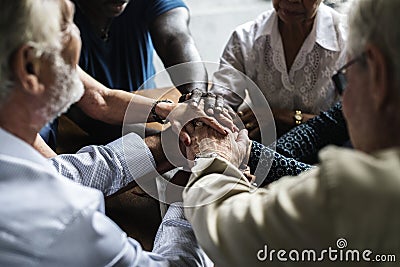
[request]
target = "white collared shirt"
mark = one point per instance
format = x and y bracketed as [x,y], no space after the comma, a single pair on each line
[255,49]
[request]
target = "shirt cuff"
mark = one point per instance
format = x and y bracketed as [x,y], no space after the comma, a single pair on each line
[175,211]
[205,166]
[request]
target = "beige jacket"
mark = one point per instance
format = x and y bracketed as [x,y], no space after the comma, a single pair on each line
[351,202]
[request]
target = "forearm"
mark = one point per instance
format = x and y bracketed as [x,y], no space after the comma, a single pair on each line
[40,145]
[269,166]
[174,44]
[154,144]
[175,240]
[271,216]
[230,81]
[111,105]
[108,168]
[304,141]
[193,74]
[204,199]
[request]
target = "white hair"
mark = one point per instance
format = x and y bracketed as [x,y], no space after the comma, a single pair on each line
[26,22]
[66,90]
[376,21]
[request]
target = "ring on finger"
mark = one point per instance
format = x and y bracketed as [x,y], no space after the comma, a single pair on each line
[198,124]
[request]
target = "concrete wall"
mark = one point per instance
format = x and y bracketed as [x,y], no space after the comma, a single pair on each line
[212,22]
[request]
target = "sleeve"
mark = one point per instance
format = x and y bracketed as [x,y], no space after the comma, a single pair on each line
[108,168]
[176,241]
[237,222]
[92,239]
[230,80]
[268,165]
[159,7]
[303,142]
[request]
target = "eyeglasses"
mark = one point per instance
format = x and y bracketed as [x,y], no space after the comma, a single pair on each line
[339,78]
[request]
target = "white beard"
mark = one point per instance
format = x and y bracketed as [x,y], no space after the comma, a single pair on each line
[66,90]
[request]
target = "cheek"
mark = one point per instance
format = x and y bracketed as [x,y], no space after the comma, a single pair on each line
[355,100]
[347,105]
[72,50]
[275,4]
[311,6]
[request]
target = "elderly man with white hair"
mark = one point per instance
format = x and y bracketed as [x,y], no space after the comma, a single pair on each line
[345,212]
[46,219]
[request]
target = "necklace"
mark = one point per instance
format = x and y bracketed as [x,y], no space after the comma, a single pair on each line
[102,32]
[105,32]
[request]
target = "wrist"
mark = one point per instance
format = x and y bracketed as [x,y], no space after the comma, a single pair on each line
[188,88]
[153,142]
[161,110]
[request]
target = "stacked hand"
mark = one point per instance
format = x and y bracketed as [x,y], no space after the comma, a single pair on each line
[205,107]
[234,147]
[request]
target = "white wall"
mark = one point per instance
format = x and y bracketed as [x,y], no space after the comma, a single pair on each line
[212,22]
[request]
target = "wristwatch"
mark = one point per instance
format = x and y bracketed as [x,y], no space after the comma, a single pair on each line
[298,117]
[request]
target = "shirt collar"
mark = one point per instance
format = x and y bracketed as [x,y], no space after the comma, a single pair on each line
[324,28]
[327,35]
[13,146]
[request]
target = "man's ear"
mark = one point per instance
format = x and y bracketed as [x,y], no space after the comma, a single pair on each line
[26,70]
[379,76]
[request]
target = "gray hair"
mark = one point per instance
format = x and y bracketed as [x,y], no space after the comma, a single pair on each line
[376,21]
[26,22]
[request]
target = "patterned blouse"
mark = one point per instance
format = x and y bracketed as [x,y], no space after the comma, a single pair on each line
[299,145]
[256,50]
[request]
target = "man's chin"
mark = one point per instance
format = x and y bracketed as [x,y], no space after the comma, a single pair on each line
[75,97]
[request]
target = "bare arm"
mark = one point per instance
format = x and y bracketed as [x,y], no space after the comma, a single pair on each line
[109,105]
[40,145]
[174,44]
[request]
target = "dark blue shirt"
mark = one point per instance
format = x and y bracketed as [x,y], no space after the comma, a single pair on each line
[125,60]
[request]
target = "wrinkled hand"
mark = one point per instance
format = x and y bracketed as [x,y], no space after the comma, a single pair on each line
[184,113]
[213,105]
[234,147]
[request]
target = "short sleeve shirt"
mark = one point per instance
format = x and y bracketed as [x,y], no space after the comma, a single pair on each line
[125,60]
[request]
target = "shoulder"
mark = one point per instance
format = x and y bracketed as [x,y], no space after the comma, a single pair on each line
[339,20]
[346,169]
[43,199]
[49,185]
[161,6]
[251,30]
[362,192]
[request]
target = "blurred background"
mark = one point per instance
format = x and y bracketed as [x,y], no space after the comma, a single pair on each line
[212,22]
